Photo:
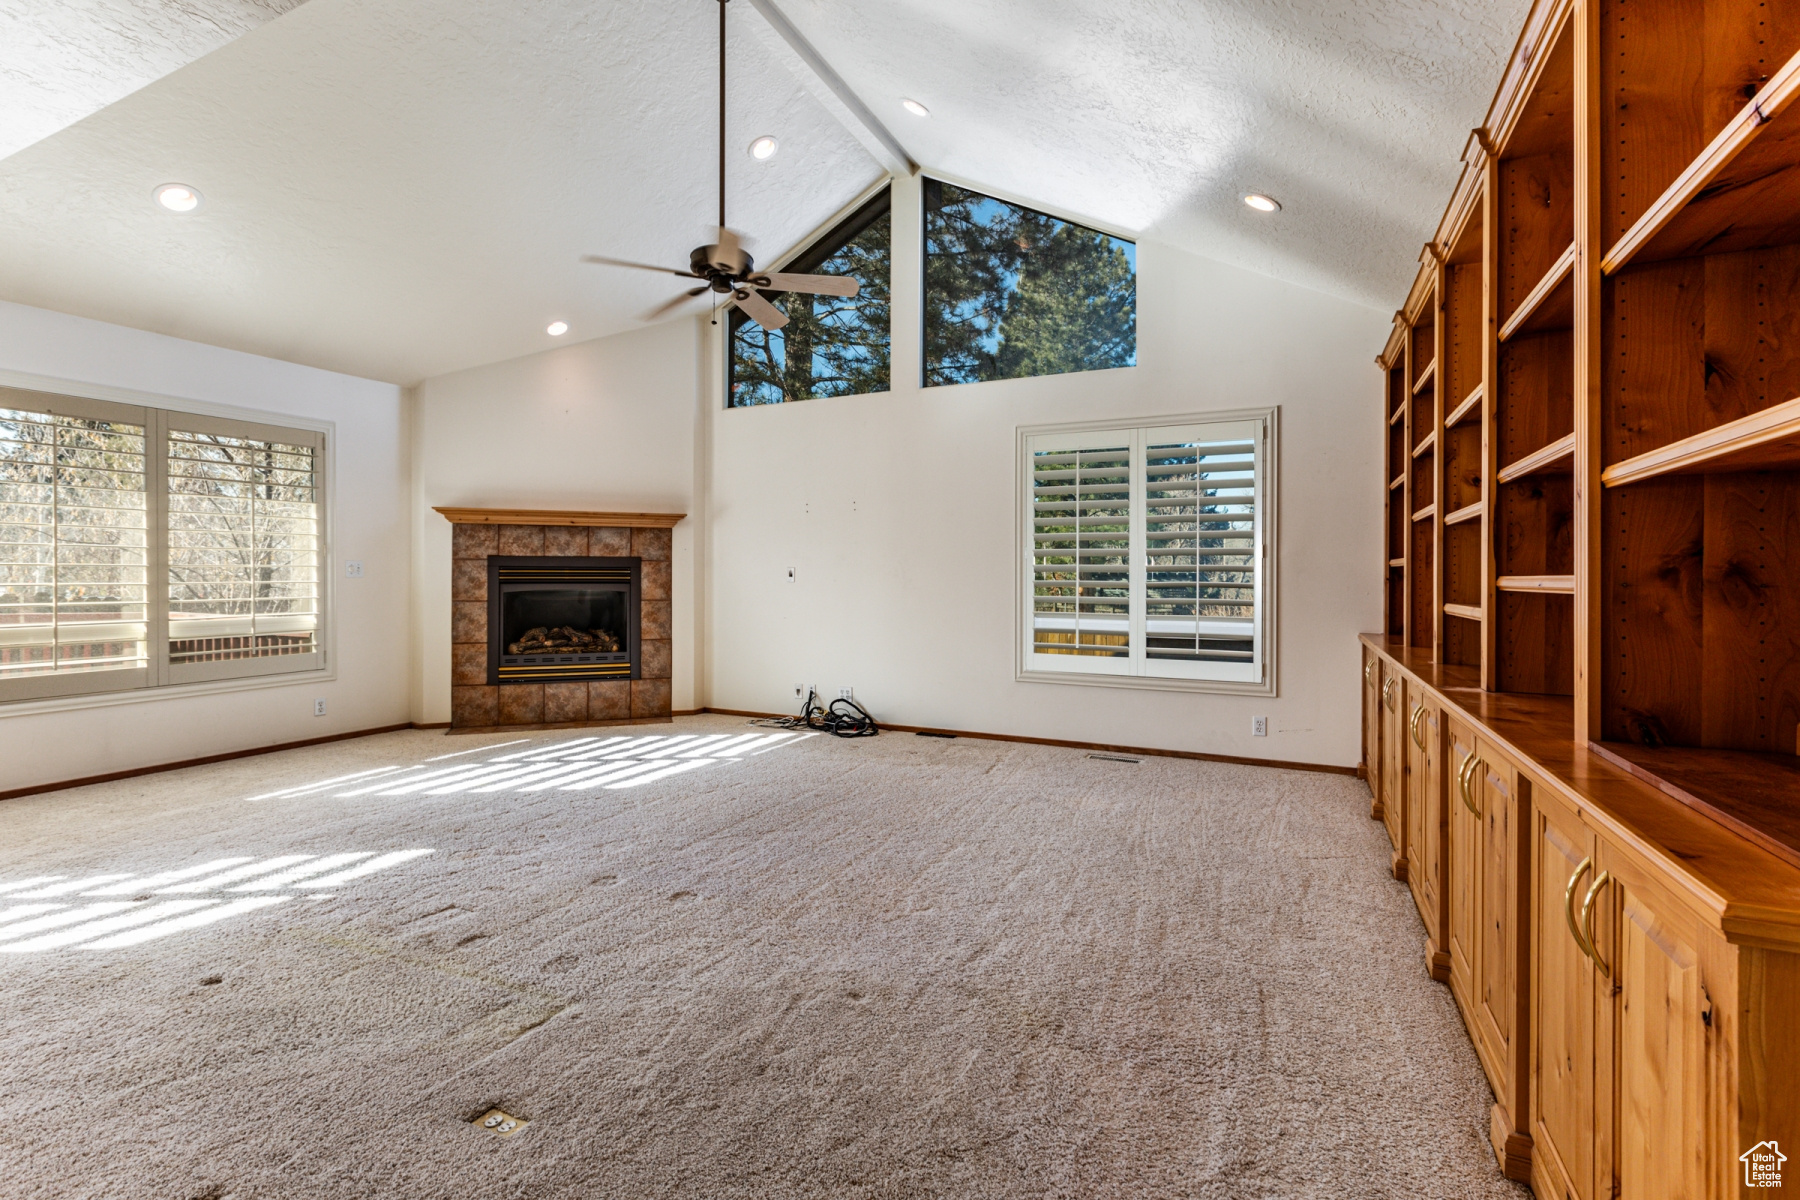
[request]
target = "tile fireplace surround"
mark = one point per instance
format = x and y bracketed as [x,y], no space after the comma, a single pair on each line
[477,533]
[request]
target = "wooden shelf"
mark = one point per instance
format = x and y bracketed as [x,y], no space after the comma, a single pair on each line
[1468,513]
[1551,304]
[1539,461]
[1397,415]
[1742,191]
[1762,441]
[1396,481]
[1467,612]
[1556,585]
[1427,445]
[1464,409]
[535,516]
[1425,513]
[1425,377]
[1750,793]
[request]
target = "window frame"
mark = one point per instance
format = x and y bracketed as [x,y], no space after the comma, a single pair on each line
[157,416]
[1136,670]
[988,193]
[847,224]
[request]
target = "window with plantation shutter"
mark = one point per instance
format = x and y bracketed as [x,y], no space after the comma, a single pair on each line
[141,547]
[1148,552]
[243,561]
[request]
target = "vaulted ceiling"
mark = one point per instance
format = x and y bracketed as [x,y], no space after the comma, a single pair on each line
[399,188]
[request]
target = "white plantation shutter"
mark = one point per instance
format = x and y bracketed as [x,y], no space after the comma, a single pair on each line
[1147,551]
[1081,533]
[73,545]
[141,547]
[243,548]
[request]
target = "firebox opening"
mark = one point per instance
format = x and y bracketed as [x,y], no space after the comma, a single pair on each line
[574,624]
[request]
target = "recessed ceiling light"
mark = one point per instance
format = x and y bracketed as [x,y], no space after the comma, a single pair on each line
[915,108]
[557,328]
[1262,203]
[178,197]
[764,147]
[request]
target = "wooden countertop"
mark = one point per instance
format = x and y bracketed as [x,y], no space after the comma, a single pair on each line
[1754,895]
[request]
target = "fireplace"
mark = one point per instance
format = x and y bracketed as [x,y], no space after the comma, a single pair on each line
[569,577]
[562,618]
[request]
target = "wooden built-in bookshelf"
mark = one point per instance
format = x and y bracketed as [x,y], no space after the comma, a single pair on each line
[1594,391]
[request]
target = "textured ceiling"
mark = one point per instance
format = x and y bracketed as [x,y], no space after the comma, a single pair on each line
[399,188]
[1158,115]
[402,188]
[64,60]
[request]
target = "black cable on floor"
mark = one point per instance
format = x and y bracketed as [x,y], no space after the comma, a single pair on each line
[844,717]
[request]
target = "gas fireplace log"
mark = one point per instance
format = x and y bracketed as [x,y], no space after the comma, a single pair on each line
[563,639]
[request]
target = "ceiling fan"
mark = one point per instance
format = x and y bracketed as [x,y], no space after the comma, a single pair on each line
[724,265]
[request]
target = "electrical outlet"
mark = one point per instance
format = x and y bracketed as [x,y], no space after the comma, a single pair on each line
[353,568]
[1259,727]
[846,693]
[790,574]
[318,708]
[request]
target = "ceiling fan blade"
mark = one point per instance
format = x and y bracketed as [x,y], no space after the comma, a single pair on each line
[669,306]
[817,285]
[622,262]
[759,310]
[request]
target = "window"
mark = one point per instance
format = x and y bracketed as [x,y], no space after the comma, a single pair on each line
[140,547]
[1010,292]
[831,346]
[1147,552]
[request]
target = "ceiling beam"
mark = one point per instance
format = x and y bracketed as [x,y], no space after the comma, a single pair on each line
[831,91]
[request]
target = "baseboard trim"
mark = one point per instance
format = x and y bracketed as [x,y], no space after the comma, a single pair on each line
[66,784]
[1280,764]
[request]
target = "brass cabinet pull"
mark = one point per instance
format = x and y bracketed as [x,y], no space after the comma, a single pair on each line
[1369,671]
[1465,775]
[1387,691]
[1587,923]
[1413,726]
[1569,905]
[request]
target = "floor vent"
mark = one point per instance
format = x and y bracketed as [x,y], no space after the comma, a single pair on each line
[501,1123]
[1115,758]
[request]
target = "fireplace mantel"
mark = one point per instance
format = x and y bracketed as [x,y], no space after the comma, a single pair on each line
[527,516]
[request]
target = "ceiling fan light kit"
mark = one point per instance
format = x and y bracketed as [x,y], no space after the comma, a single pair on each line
[724,266]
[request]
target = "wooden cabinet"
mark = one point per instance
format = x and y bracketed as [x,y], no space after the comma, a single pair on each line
[1371,729]
[1486,910]
[1393,765]
[1425,868]
[1564,1006]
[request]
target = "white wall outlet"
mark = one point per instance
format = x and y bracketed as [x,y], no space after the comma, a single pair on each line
[318,708]
[846,693]
[799,691]
[353,568]
[1259,727]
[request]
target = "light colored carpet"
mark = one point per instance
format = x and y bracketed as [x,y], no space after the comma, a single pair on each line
[887,968]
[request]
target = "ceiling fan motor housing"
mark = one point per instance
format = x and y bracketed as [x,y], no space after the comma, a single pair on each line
[720,264]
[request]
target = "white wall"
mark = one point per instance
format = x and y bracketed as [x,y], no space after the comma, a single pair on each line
[365,683]
[608,425]
[897,511]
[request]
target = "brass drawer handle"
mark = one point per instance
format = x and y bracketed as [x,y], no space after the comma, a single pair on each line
[1387,690]
[1369,671]
[1465,775]
[1413,726]
[1587,923]
[1569,905]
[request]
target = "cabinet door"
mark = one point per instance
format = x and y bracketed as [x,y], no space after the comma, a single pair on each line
[1371,723]
[1393,762]
[1648,948]
[1563,999]
[1425,834]
[1465,832]
[1494,786]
